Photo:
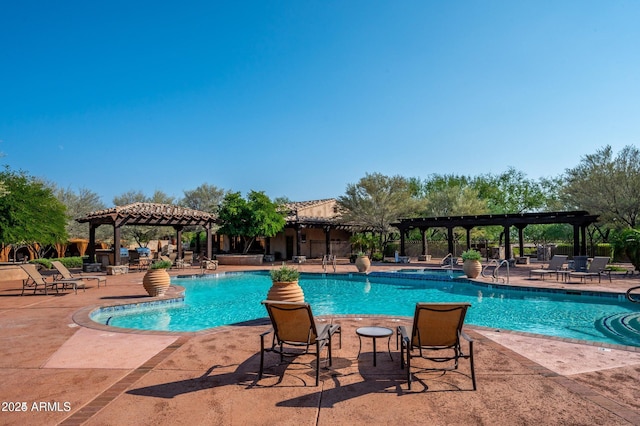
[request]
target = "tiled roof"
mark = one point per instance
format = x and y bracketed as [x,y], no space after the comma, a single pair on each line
[146,212]
[293,206]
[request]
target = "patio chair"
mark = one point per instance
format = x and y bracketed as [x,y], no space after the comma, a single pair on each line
[186,261]
[35,279]
[295,333]
[65,275]
[555,264]
[435,334]
[597,267]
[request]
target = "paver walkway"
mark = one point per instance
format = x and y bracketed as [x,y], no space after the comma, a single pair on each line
[61,372]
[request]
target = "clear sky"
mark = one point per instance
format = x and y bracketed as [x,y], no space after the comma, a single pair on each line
[301,98]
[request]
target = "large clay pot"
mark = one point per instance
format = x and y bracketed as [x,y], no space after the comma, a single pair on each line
[472,268]
[363,263]
[286,291]
[156,282]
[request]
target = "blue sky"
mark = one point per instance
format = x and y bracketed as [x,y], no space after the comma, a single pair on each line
[301,98]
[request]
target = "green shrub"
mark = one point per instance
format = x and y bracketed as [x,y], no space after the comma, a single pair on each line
[45,263]
[162,264]
[285,274]
[471,255]
[71,262]
[377,257]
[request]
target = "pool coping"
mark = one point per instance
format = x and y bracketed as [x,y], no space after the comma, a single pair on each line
[175,294]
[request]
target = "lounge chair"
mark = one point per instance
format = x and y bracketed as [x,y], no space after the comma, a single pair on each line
[597,267]
[555,264]
[65,275]
[435,334]
[294,326]
[35,279]
[186,261]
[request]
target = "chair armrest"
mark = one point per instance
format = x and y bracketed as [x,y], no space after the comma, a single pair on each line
[327,331]
[402,331]
[466,336]
[266,332]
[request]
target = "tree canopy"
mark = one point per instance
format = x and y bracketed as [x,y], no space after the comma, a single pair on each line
[377,201]
[257,216]
[30,214]
[607,186]
[79,205]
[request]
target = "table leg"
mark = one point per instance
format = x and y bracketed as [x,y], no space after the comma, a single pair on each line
[389,347]
[374,351]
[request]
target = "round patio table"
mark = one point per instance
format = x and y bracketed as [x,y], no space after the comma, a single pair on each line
[374,333]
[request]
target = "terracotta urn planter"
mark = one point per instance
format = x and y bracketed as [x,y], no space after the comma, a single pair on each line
[285,285]
[363,263]
[286,291]
[156,282]
[472,268]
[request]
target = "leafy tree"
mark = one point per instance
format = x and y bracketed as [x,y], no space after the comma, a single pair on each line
[510,192]
[30,214]
[451,195]
[78,205]
[205,198]
[376,201]
[257,216]
[606,186]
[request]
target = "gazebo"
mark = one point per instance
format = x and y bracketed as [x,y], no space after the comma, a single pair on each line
[578,219]
[148,214]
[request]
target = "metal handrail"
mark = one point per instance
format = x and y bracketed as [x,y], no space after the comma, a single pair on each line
[495,275]
[491,262]
[450,255]
[629,297]
[327,259]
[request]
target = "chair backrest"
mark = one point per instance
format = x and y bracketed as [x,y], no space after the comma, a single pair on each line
[580,263]
[292,322]
[188,256]
[438,324]
[66,274]
[598,264]
[33,273]
[557,261]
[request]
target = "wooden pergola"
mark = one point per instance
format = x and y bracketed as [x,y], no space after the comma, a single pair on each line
[579,219]
[148,214]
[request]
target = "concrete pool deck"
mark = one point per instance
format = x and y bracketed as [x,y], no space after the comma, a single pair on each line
[62,372]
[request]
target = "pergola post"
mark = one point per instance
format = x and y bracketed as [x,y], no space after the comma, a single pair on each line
[402,243]
[450,239]
[327,240]
[179,240]
[507,243]
[91,250]
[521,240]
[209,240]
[116,245]
[423,232]
[298,239]
[576,240]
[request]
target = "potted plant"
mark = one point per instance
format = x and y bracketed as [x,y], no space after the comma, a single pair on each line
[471,263]
[362,262]
[285,285]
[156,280]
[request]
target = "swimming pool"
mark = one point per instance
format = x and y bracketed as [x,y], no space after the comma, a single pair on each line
[231,298]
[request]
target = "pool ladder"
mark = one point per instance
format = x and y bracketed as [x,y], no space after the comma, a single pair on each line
[630,298]
[450,265]
[328,259]
[495,275]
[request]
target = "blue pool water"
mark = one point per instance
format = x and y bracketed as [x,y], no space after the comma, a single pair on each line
[232,298]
